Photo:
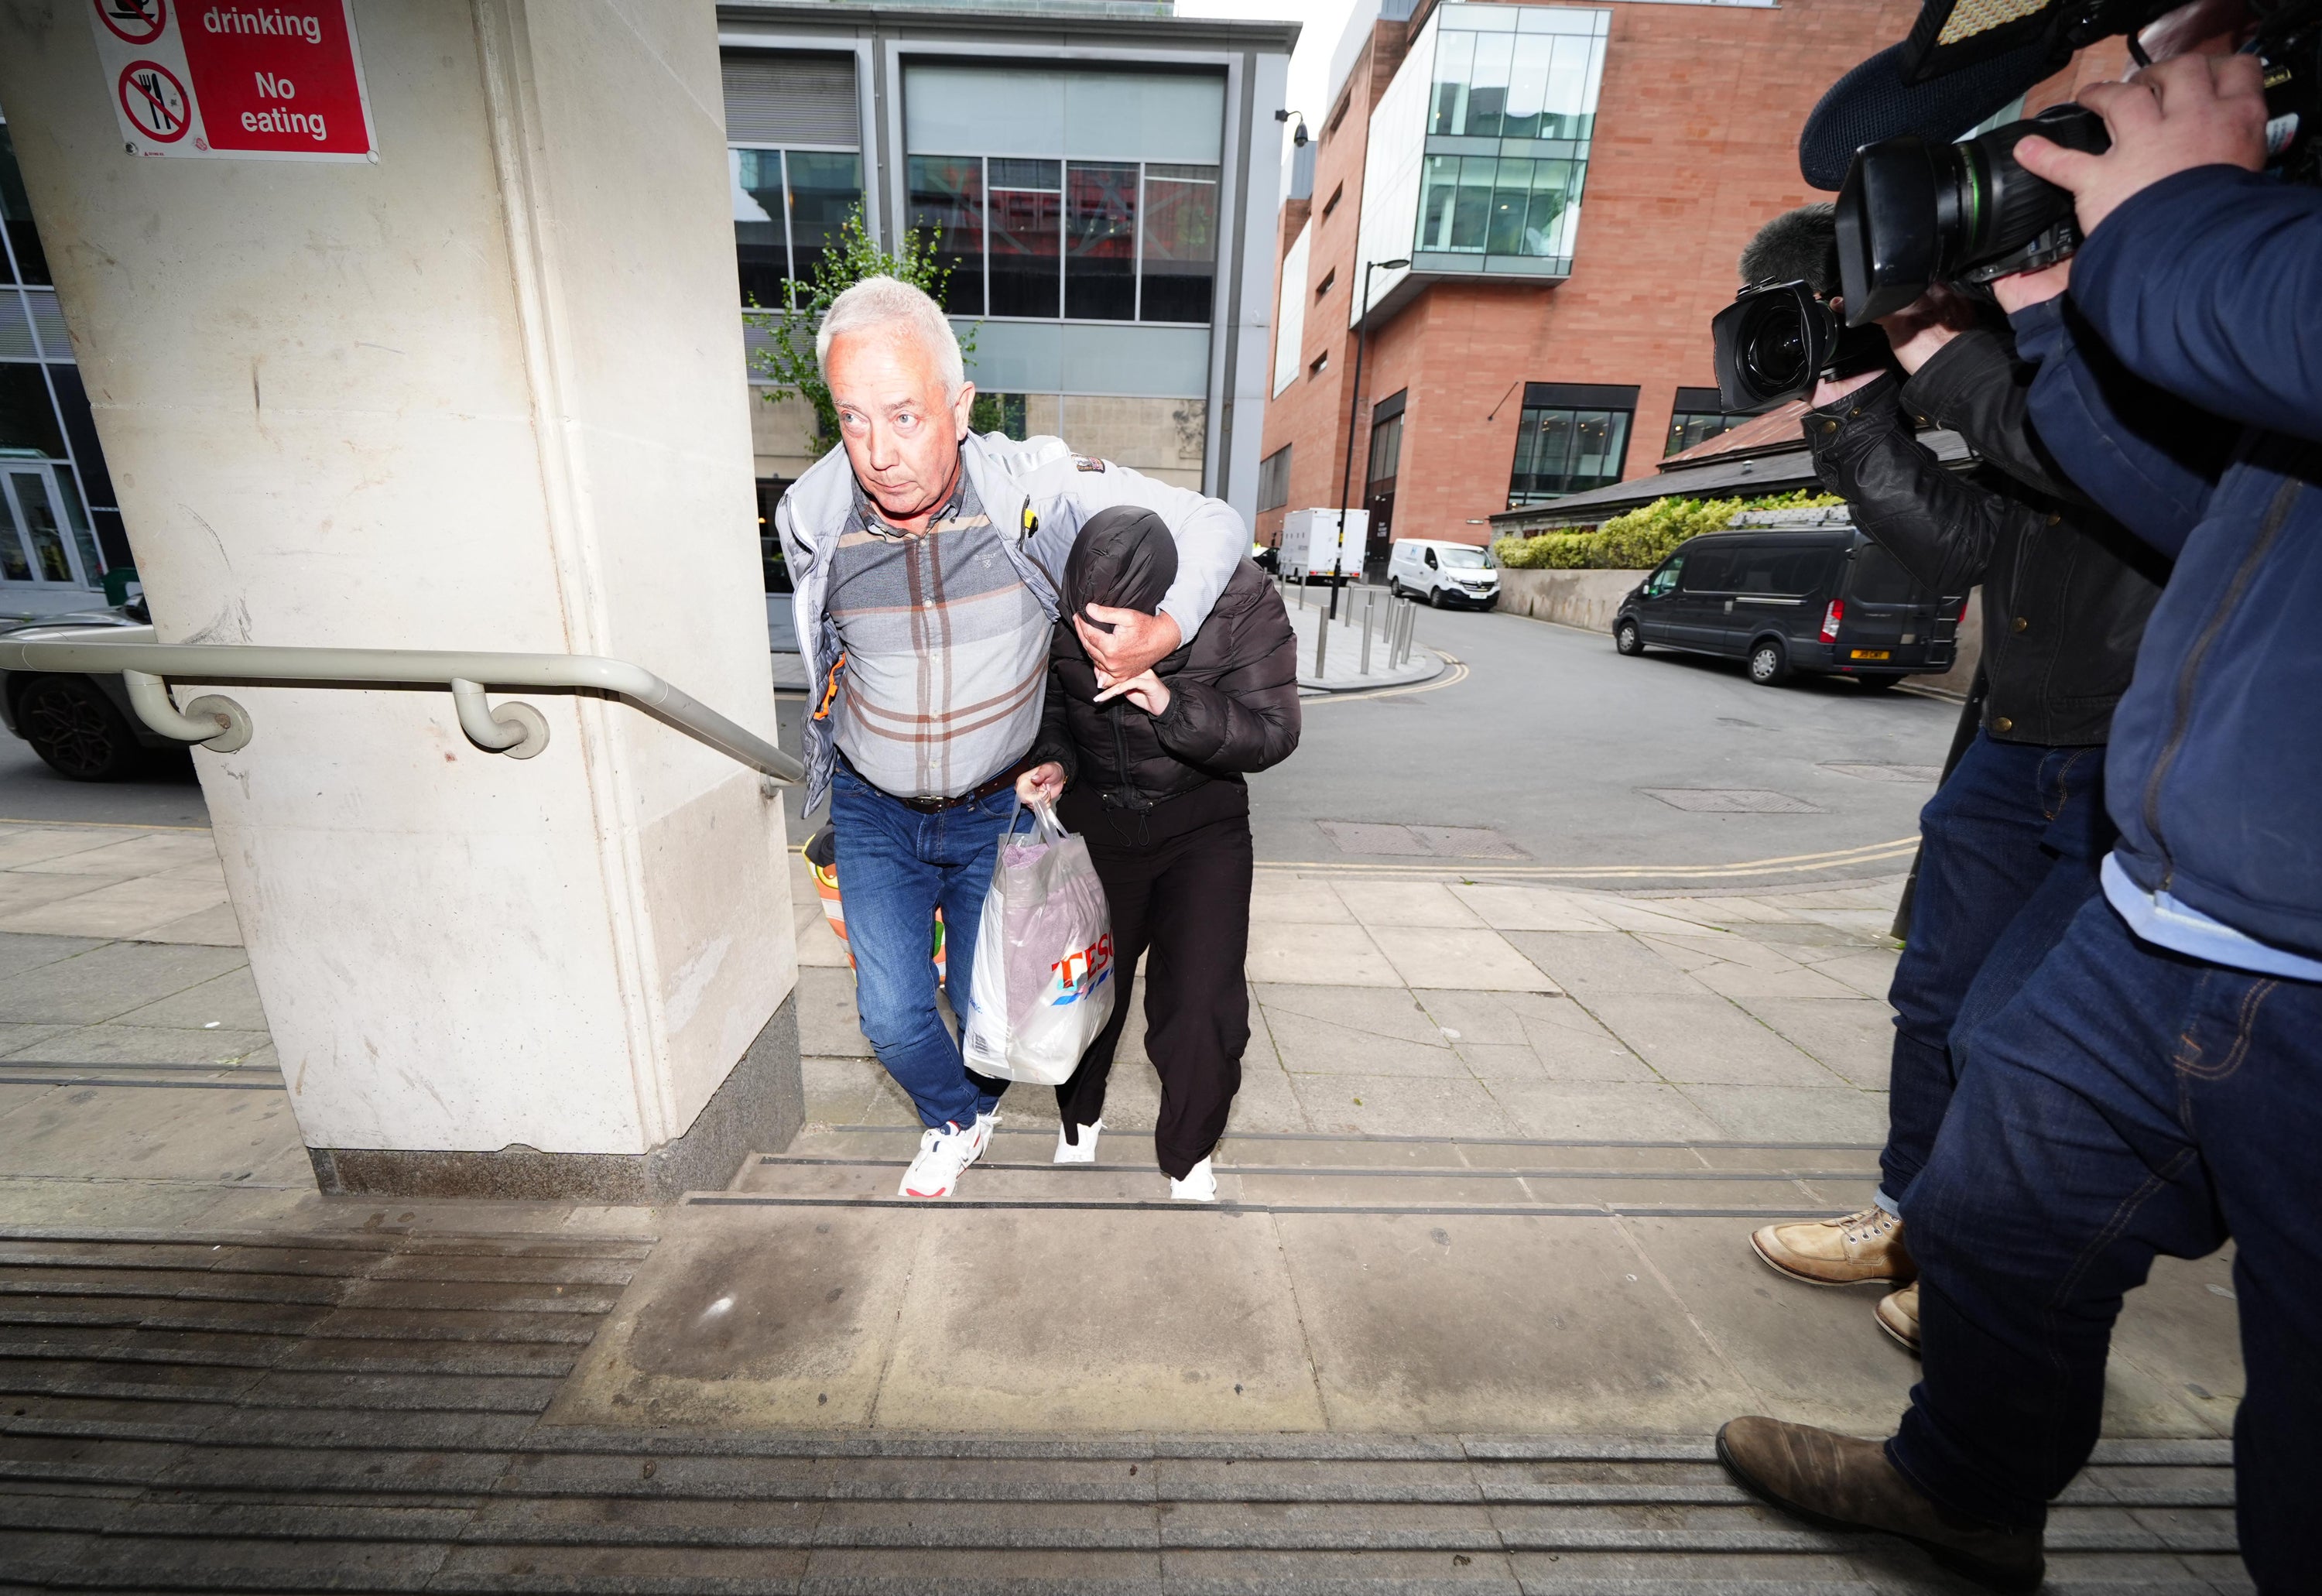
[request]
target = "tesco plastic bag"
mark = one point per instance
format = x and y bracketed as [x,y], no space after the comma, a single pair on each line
[1042,986]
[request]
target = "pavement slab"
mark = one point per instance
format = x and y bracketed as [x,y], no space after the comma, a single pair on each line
[123,909]
[742,1319]
[1387,901]
[1580,1332]
[1304,953]
[1587,962]
[1455,959]
[1704,1038]
[1402,1104]
[107,981]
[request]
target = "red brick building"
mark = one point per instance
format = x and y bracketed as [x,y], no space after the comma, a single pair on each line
[1536,344]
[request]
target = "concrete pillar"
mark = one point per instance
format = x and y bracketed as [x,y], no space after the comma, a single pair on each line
[485,393]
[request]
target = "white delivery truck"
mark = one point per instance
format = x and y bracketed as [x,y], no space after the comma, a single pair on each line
[1312,540]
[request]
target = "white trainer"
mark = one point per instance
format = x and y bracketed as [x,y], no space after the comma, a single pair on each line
[1081,1152]
[944,1156]
[1200,1184]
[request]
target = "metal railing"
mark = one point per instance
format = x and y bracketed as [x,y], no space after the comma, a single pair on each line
[516,729]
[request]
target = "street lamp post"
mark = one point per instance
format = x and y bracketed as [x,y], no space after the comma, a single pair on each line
[1354,415]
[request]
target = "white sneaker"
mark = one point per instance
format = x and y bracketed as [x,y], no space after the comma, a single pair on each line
[944,1155]
[1200,1184]
[1084,1152]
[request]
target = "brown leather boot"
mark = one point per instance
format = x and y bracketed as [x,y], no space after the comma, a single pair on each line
[1839,1482]
[1898,1315]
[1864,1247]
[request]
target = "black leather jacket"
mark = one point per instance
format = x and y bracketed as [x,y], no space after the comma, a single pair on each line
[2066,590]
[1233,706]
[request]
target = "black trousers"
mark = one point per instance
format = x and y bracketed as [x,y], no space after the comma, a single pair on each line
[1178,881]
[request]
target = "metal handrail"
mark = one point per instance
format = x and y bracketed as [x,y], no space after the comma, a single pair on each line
[516,729]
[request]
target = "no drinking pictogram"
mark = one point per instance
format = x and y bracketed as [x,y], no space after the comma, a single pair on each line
[155,101]
[137,21]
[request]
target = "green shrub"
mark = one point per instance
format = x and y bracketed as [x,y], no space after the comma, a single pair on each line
[1640,539]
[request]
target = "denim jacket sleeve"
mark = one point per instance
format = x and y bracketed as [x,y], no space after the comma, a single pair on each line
[2145,458]
[2207,284]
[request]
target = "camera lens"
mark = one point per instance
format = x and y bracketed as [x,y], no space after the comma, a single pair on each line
[1772,348]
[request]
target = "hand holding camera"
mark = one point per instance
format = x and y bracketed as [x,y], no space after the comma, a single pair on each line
[2195,111]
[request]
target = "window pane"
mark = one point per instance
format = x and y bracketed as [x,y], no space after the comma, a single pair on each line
[1511,204]
[1436,202]
[1387,447]
[1553,183]
[92,563]
[1028,174]
[1560,452]
[14,566]
[1455,60]
[1180,242]
[1101,240]
[16,212]
[1566,104]
[1274,479]
[1878,580]
[1487,93]
[1471,213]
[948,201]
[1528,85]
[1689,427]
[28,419]
[1594,437]
[1027,234]
[1708,571]
[825,189]
[764,256]
[41,531]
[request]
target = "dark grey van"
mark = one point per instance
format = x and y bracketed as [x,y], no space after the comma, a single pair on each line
[1825,599]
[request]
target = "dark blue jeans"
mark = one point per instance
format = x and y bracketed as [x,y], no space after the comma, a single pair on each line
[2011,843]
[896,867]
[2129,1101]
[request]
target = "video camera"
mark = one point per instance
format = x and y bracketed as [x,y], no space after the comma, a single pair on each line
[1916,208]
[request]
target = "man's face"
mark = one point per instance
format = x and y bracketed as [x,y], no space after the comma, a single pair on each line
[901,433]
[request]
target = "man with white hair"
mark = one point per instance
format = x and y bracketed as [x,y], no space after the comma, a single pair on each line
[925,559]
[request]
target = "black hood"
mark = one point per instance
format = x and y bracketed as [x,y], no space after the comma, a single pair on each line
[1124,559]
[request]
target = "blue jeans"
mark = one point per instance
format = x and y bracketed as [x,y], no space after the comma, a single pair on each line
[2011,843]
[896,867]
[2129,1101]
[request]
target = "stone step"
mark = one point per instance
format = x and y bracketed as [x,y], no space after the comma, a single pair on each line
[1288,1172]
[146,1453]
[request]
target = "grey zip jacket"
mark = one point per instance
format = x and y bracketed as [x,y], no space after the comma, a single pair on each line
[1037,494]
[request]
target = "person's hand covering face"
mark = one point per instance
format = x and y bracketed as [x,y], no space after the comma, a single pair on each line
[1136,643]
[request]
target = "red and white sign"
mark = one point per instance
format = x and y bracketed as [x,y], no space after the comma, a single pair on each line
[259,80]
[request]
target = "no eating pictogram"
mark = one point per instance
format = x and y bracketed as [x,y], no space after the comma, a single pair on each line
[154,101]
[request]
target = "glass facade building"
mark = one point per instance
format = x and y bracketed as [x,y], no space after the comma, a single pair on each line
[60,529]
[1079,170]
[1479,147]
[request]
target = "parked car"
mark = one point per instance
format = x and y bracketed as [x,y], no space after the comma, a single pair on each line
[1825,599]
[1443,573]
[81,726]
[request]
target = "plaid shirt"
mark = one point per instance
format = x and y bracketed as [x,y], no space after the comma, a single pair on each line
[947,651]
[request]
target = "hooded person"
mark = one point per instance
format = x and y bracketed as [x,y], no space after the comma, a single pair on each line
[1150,770]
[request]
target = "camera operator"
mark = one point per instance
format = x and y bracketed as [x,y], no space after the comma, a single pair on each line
[2156,1085]
[2010,842]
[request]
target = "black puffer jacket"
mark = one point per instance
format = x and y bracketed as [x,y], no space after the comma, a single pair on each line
[2066,590]
[1233,689]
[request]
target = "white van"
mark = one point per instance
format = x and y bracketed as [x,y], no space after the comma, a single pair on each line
[1443,573]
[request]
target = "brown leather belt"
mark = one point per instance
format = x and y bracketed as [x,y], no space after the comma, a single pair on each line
[936,805]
